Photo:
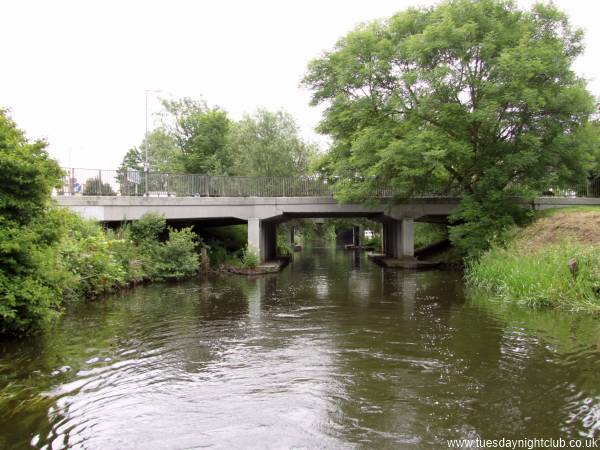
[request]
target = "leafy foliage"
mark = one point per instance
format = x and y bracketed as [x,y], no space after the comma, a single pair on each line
[284,247]
[201,135]
[429,233]
[164,155]
[148,228]
[87,256]
[250,258]
[28,174]
[178,255]
[48,254]
[268,144]
[95,186]
[470,96]
[28,230]
[199,139]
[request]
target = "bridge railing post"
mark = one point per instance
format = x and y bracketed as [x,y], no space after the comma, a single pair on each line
[71,181]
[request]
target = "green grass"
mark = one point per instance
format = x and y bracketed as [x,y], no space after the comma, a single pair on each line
[540,278]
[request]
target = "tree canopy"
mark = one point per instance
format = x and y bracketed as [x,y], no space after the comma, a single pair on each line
[27,228]
[28,174]
[196,138]
[268,144]
[164,155]
[201,135]
[474,96]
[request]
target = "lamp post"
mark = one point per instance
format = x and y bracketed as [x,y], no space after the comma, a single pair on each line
[146,163]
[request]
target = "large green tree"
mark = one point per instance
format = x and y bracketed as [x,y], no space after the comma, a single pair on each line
[268,144]
[28,229]
[164,155]
[201,135]
[471,95]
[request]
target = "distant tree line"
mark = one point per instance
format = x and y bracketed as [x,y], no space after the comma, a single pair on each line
[199,139]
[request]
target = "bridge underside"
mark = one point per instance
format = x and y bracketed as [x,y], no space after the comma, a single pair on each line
[263,214]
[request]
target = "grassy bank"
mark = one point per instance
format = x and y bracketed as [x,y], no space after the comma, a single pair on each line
[554,262]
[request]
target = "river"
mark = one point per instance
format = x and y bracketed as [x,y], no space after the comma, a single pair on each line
[333,352]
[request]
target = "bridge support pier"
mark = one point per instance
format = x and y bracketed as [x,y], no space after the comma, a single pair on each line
[357,235]
[262,238]
[399,238]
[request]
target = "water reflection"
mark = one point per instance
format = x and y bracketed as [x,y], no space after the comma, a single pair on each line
[333,352]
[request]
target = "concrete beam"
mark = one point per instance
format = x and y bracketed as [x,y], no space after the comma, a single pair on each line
[121,208]
[118,209]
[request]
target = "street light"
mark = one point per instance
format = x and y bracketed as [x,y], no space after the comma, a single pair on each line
[146,163]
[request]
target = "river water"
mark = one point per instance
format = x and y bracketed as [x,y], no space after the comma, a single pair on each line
[333,352]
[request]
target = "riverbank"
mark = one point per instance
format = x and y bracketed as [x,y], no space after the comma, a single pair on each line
[85,261]
[553,262]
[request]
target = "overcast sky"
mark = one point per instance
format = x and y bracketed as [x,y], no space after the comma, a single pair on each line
[74,72]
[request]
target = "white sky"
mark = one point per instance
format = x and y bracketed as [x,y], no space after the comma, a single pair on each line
[74,72]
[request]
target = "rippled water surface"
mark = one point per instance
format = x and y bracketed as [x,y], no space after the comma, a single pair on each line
[333,352]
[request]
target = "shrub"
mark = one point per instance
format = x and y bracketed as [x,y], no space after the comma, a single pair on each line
[217,253]
[85,252]
[178,257]
[250,258]
[95,186]
[148,228]
[128,255]
[284,247]
[374,242]
[29,294]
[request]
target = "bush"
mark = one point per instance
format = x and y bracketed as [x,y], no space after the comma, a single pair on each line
[128,255]
[29,296]
[95,186]
[48,254]
[178,257]
[284,247]
[86,254]
[218,254]
[374,242]
[250,258]
[29,280]
[148,228]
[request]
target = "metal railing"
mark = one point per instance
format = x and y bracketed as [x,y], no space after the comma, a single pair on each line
[139,183]
[93,182]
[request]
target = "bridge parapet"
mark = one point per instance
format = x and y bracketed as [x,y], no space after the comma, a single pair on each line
[137,183]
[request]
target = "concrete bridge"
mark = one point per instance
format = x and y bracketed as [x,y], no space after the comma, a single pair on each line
[264,214]
[264,202]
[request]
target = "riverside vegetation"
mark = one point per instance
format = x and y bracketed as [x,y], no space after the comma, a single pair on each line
[469,96]
[50,256]
[554,262]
